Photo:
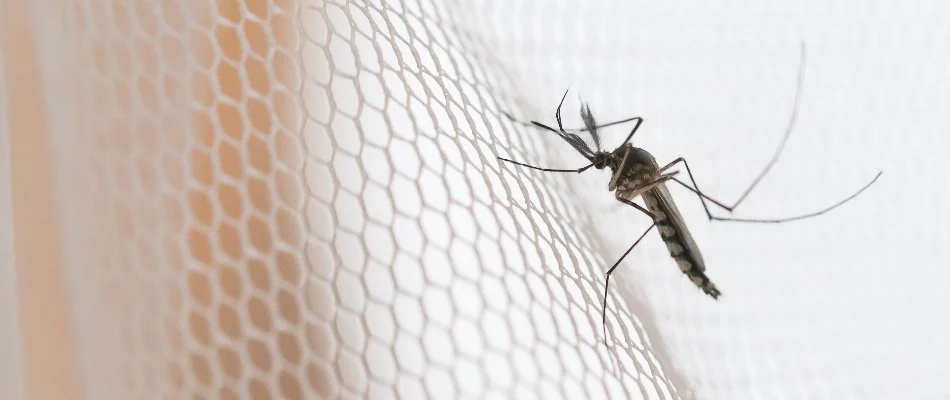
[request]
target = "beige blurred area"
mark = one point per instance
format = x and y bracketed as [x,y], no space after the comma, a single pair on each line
[47,346]
[241,241]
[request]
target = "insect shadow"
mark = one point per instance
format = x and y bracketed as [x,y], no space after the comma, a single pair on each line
[635,172]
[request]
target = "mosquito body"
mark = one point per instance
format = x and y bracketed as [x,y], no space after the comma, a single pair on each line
[639,172]
[635,173]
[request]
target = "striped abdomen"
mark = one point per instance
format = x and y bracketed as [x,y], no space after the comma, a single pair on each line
[677,238]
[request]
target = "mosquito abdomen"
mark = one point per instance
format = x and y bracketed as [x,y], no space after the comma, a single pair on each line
[678,241]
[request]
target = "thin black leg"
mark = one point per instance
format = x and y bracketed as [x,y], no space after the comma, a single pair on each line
[774,220]
[578,170]
[616,264]
[775,156]
[532,123]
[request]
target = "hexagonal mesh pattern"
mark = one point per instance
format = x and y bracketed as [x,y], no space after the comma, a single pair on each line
[301,199]
[297,200]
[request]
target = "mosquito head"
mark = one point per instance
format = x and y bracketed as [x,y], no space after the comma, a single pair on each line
[598,158]
[601,159]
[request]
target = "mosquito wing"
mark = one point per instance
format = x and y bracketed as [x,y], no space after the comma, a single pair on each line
[678,241]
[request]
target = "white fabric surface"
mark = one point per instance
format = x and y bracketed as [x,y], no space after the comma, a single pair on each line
[436,270]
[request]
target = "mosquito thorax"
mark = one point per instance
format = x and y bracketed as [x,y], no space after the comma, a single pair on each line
[613,159]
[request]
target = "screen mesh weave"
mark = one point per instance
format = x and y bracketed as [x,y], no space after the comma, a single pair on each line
[301,199]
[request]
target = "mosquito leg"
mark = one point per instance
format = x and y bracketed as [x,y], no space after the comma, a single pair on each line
[788,130]
[557,113]
[532,125]
[702,197]
[660,179]
[787,219]
[560,125]
[620,170]
[616,264]
[632,131]
[775,156]
[637,191]
[578,170]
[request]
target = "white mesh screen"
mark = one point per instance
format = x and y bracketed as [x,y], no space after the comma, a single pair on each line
[282,199]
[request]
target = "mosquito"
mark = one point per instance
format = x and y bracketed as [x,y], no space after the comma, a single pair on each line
[636,173]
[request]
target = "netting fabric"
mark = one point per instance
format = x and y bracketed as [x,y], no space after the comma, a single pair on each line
[301,199]
[289,200]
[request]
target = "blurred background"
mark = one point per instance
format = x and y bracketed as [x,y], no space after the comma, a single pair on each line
[301,199]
